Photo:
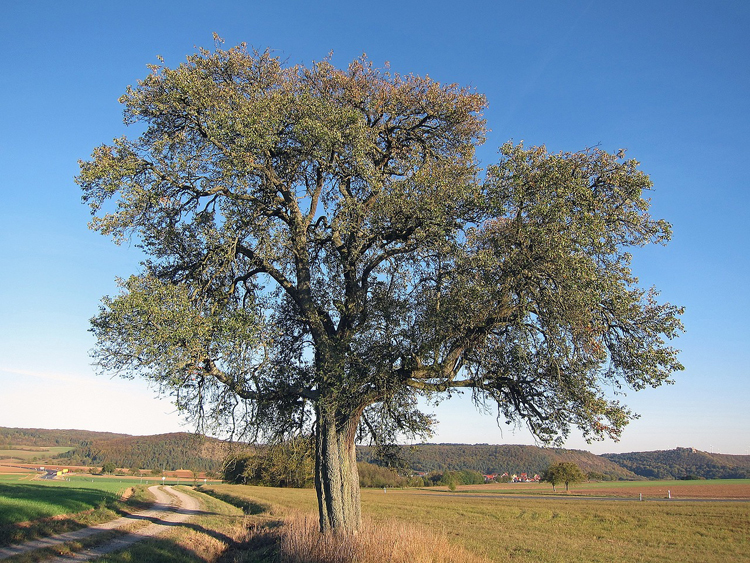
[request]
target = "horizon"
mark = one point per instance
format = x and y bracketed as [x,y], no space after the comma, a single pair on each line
[411,444]
[670,85]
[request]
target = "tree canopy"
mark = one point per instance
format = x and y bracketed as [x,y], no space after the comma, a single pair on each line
[322,250]
[565,472]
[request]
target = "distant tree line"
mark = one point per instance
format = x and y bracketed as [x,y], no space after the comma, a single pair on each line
[289,465]
[188,451]
[49,438]
[683,463]
[164,452]
[494,459]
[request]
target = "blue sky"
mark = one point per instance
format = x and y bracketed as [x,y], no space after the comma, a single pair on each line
[668,81]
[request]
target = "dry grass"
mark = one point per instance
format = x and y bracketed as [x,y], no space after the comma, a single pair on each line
[279,526]
[301,542]
[548,529]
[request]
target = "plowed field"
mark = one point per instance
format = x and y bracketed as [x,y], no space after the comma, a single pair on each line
[690,489]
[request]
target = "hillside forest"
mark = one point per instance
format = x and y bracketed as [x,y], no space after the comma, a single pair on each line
[438,463]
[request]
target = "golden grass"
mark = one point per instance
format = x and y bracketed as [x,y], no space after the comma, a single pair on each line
[396,542]
[440,527]
[551,529]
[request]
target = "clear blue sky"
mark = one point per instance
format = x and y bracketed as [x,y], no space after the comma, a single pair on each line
[668,81]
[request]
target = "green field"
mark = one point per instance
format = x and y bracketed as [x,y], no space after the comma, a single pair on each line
[27,453]
[33,509]
[25,501]
[499,527]
[550,529]
[14,477]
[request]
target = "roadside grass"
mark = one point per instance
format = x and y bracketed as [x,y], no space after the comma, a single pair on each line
[551,529]
[377,541]
[30,510]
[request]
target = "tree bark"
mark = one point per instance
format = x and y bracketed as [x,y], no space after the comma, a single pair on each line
[336,475]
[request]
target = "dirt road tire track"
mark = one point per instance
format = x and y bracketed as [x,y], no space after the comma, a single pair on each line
[171,507]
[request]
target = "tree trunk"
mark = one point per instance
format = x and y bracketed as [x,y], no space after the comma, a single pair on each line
[336,475]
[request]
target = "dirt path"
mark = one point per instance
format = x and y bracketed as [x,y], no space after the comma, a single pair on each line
[171,507]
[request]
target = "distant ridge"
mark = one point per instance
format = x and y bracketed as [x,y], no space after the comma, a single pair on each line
[499,459]
[170,452]
[182,450]
[178,450]
[684,463]
[46,437]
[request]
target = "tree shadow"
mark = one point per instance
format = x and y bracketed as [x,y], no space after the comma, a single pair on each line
[259,546]
[31,502]
[258,542]
[248,506]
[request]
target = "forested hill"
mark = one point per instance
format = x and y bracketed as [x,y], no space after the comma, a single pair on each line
[45,437]
[189,451]
[491,459]
[682,463]
[162,451]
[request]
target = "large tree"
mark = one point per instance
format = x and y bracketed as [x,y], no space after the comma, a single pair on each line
[322,250]
[565,472]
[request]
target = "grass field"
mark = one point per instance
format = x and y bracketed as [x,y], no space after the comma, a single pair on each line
[697,489]
[31,509]
[26,453]
[24,501]
[492,523]
[551,529]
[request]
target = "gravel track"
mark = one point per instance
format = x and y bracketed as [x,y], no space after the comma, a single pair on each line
[171,507]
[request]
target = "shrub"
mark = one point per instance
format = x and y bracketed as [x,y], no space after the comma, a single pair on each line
[371,475]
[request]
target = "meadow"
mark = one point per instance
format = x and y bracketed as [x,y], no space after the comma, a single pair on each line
[25,453]
[31,509]
[548,528]
[518,523]
[648,490]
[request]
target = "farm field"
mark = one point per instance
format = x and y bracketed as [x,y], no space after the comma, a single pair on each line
[698,489]
[32,500]
[31,509]
[518,523]
[709,489]
[25,453]
[548,529]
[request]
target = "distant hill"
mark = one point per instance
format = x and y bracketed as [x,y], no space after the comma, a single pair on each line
[189,451]
[162,451]
[682,463]
[44,437]
[179,450]
[490,459]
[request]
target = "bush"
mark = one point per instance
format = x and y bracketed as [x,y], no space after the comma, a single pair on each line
[289,464]
[464,477]
[371,475]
